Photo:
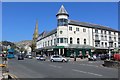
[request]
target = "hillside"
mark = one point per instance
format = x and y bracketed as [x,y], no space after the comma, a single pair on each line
[23,43]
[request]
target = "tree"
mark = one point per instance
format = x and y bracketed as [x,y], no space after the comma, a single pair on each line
[33,47]
[22,49]
[5,49]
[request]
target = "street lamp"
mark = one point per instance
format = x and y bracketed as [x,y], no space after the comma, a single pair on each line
[109,52]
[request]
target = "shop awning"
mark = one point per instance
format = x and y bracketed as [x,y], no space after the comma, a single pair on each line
[58,47]
[69,46]
[79,46]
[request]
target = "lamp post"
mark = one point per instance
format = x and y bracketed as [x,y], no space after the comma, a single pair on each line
[109,52]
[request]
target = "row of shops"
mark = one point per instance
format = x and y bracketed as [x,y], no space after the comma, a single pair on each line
[67,51]
[71,49]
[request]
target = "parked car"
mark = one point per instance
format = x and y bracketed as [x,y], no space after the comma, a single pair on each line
[91,59]
[58,58]
[37,57]
[20,57]
[29,57]
[117,57]
[41,57]
[104,56]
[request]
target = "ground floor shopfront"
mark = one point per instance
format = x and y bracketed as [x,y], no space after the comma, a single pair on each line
[106,51]
[66,51]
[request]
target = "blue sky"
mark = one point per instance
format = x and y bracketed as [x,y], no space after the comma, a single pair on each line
[0,21]
[18,19]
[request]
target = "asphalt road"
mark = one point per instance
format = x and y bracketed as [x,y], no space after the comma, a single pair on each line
[32,68]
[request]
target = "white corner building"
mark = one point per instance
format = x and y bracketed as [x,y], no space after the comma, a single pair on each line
[74,36]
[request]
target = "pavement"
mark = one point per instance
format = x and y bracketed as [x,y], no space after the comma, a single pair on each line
[32,68]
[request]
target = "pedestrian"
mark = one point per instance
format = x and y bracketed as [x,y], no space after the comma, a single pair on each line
[74,56]
[94,57]
[89,58]
[87,55]
[109,54]
[81,56]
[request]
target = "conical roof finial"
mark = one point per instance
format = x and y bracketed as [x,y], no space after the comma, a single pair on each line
[62,11]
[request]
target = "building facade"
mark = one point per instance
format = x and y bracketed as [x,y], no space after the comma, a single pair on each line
[74,36]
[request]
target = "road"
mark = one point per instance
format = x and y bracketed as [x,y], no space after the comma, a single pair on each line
[32,68]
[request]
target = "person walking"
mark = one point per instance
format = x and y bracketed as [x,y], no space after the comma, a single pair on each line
[74,56]
[94,57]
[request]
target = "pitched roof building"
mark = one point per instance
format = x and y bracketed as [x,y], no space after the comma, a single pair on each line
[74,36]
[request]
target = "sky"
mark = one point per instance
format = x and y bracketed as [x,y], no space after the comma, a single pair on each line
[0,21]
[19,18]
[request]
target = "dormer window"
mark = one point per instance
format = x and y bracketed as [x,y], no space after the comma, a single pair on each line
[70,28]
[101,31]
[96,31]
[77,29]
[109,33]
[84,30]
[105,32]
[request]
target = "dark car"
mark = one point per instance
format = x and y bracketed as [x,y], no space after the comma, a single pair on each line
[20,57]
[104,56]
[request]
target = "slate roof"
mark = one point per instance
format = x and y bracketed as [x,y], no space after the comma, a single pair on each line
[48,34]
[90,25]
[43,33]
[62,11]
[82,24]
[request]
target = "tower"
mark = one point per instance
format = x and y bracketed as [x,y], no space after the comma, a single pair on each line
[62,28]
[62,17]
[35,36]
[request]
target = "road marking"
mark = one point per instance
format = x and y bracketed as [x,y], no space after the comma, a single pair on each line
[94,61]
[88,65]
[100,66]
[55,66]
[40,63]
[108,67]
[90,62]
[86,72]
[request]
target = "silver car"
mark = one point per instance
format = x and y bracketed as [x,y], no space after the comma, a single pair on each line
[30,57]
[58,58]
[42,58]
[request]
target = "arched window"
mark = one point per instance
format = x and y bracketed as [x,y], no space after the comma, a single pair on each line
[78,41]
[70,40]
[84,41]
